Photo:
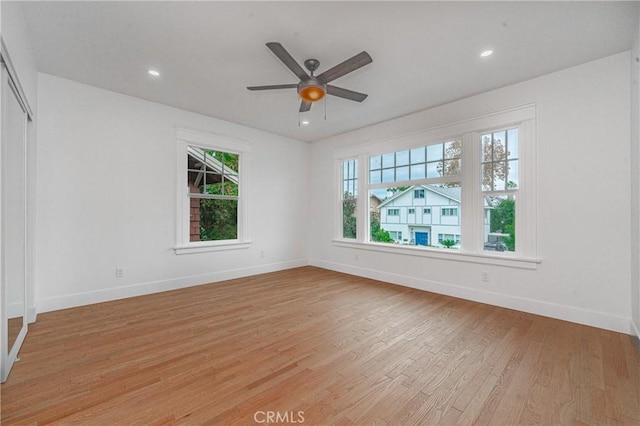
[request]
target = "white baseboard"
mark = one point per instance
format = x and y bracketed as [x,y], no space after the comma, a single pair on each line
[552,310]
[14,310]
[140,289]
[32,314]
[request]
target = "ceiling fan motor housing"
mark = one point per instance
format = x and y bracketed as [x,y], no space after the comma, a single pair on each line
[311,90]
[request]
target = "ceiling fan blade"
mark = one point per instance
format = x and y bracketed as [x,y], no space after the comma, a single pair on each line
[305,106]
[346,93]
[352,64]
[288,60]
[272,87]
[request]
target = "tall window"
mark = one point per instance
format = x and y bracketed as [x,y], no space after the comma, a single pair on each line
[212,212]
[349,198]
[499,186]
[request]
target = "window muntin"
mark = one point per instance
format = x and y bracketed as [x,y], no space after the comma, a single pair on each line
[213,182]
[349,198]
[449,211]
[393,212]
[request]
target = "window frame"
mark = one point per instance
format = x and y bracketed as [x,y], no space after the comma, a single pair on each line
[472,218]
[184,139]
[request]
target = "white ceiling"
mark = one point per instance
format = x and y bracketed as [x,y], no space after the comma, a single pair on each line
[424,53]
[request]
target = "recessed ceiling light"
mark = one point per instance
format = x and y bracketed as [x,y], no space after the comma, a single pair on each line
[304,122]
[154,73]
[486,53]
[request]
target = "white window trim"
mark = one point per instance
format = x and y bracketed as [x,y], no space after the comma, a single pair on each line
[472,223]
[187,138]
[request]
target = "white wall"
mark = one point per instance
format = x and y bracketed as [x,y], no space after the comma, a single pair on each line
[107,198]
[635,186]
[16,39]
[583,125]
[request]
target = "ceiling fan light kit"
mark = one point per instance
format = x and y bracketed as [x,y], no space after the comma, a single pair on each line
[314,88]
[310,91]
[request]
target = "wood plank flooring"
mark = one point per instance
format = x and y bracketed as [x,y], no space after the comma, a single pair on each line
[313,346]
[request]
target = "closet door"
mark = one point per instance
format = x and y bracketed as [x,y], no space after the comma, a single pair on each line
[13,224]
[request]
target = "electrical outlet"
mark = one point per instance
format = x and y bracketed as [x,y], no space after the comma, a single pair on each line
[119,272]
[484,277]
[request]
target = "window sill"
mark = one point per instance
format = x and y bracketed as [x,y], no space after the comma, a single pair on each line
[445,254]
[211,246]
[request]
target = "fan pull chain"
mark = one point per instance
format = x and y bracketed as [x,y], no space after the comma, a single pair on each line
[325,108]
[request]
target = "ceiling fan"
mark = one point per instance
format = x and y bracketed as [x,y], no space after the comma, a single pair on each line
[312,88]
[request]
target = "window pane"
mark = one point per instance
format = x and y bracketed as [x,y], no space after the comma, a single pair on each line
[452,167]
[418,155]
[402,158]
[433,169]
[217,220]
[388,160]
[387,175]
[230,161]
[416,214]
[434,152]
[213,184]
[417,171]
[499,176]
[375,176]
[230,188]
[375,162]
[349,218]
[512,181]
[377,233]
[512,142]
[500,229]
[498,146]
[452,149]
[487,177]
[487,148]
[402,173]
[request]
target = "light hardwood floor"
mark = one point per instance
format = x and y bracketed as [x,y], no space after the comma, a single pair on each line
[341,349]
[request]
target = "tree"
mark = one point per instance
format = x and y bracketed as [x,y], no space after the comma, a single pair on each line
[395,189]
[494,155]
[448,243]
[378,234]
[219,217]
[495,167]
[348,216]
[503,220]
